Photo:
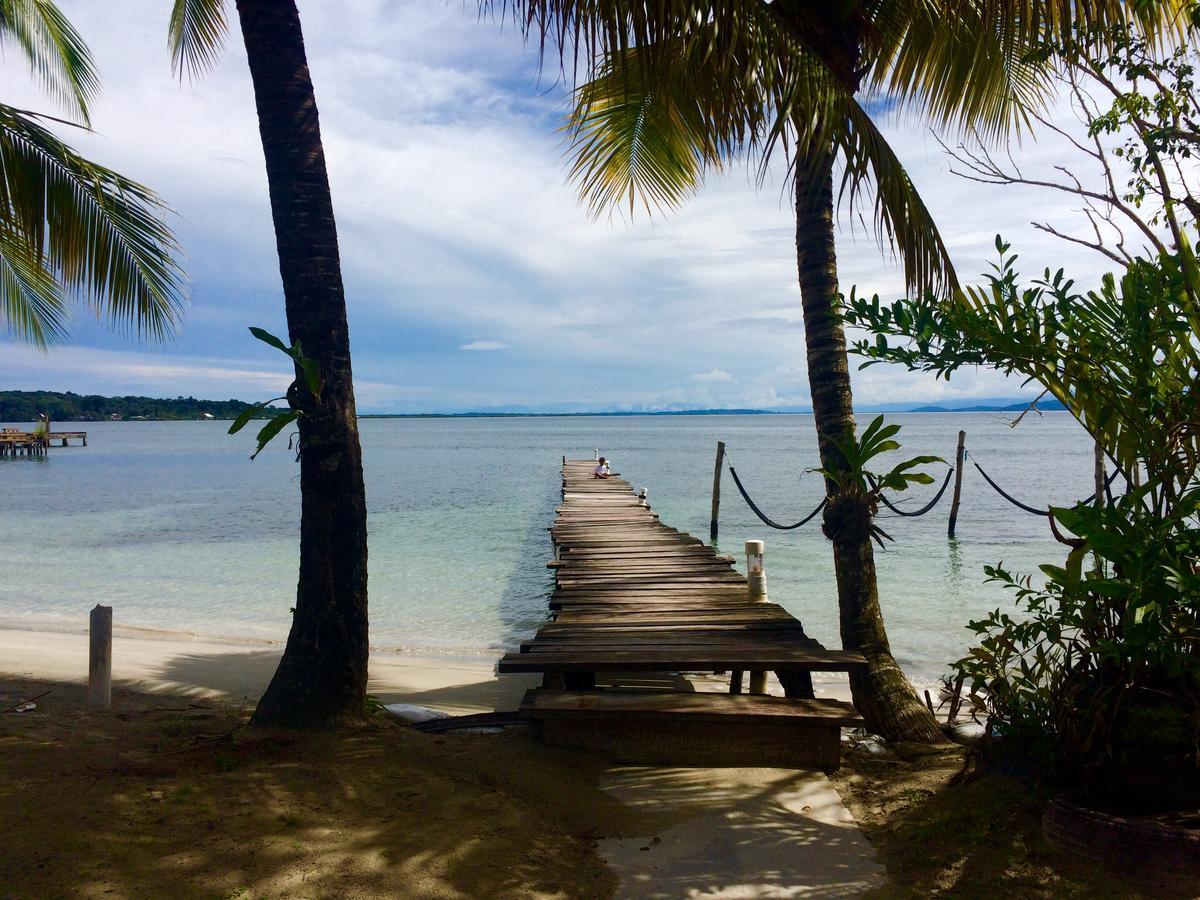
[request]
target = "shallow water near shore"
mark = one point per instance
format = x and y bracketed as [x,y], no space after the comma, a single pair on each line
[173,525]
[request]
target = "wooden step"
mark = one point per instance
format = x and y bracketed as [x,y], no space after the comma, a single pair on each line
[708,659]
[681,728]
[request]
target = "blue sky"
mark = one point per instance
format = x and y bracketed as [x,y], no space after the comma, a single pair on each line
[474,278]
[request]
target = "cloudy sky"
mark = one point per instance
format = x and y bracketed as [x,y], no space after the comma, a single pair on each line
[474,279]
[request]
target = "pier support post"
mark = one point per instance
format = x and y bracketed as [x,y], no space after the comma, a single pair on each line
[958,467]
[716,492]
[100,659]
[756,584]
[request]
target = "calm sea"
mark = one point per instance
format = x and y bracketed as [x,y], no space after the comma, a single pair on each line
[174,526]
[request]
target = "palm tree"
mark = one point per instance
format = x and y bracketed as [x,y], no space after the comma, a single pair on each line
[321,680]
[70,228]
[680,87]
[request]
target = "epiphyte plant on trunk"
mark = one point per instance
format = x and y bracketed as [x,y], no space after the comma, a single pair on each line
[70,228]
[281,419]
[677,89]
[321,679]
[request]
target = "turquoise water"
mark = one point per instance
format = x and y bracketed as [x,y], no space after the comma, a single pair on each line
[173,525]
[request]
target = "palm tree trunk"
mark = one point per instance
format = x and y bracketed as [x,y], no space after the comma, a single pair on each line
[321,680]
[882,694]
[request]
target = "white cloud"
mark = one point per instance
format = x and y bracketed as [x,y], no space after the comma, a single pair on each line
[714,375]
[484,345]
[455,220]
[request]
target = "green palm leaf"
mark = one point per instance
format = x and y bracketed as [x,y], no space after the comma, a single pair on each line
[197,35]
[31,299]
[58,56]
[102,235]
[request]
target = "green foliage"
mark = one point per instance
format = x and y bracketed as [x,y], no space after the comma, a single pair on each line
[1122,359]
[68,226]
[313,382]
[196,34]
[677,89]
[26,406]
[1090,645]
[1099,670]
[857,484]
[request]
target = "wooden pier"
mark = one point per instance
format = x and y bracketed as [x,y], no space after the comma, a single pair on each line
[637,602]
[14,442]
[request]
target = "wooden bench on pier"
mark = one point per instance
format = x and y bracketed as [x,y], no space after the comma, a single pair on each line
[634,596]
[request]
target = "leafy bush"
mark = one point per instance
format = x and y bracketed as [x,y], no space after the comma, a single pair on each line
[1095,678]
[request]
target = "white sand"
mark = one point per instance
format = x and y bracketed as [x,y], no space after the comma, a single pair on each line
[740,832]
[175,662]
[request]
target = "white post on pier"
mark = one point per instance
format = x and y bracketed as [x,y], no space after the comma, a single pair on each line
[756,584]
[642,497]
[756,573]
[596,455]
[100,659]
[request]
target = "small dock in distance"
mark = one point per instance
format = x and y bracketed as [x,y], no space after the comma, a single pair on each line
[638,601]
[14,442]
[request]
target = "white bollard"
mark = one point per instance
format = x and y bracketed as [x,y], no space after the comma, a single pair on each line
[595,455]
[100,659]
[642,497]
[756,584]
[756,573]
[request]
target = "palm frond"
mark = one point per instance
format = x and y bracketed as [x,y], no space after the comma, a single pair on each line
[32,304]
[639,134]
[974,65]
[102,235]
[196,33]
[57,54]
[901,219]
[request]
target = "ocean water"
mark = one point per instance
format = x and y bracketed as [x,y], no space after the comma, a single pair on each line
[175,527]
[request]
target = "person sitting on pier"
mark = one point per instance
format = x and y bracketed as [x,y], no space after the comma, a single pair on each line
[601,470]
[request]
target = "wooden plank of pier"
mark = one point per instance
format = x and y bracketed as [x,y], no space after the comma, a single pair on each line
[634,595]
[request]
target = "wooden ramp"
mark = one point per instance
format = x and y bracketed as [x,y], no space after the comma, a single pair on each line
[636,596]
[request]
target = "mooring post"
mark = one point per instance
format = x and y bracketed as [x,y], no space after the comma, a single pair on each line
[100,659]
[756,584]
[642,495]
[958,467]
[596,455]
[716,492]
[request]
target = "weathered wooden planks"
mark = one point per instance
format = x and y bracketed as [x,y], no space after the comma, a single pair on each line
[635,595]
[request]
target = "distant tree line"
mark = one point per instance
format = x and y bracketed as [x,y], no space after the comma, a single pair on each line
[24,406]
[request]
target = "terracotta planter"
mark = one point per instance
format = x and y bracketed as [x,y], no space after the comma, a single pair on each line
[1147,850]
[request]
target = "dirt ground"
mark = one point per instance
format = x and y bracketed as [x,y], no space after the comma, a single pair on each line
[169,797]
[978,839]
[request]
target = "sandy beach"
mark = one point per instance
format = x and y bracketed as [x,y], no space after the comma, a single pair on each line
[213,808]
[170,662]
[173,662]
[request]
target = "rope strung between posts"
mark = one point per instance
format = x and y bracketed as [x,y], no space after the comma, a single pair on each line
[916,512]
[762,517]
[1044,513]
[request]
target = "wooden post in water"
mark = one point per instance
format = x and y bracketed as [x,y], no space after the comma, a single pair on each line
[756,584]
[716,492]
[958,467]
[100,659]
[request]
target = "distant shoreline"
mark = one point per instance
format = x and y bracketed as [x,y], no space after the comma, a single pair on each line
[25,406]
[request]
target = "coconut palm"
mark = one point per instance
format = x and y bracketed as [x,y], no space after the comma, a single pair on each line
[322,677]
[71,229]
[677,88]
